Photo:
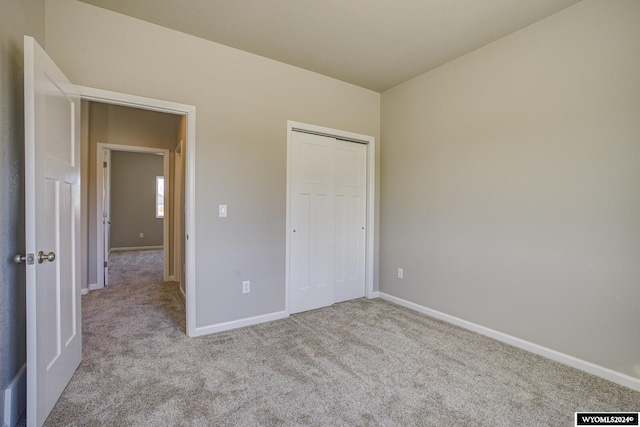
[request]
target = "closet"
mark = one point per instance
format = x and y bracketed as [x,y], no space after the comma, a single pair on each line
[328,220]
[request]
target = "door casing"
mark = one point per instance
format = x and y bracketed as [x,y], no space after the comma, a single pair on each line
[189,112]
[100,184]
[106,209]
[370,244]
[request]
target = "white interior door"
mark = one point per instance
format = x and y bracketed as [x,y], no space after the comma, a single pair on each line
[312,219]
[351,220]
[52,217]
[106,213]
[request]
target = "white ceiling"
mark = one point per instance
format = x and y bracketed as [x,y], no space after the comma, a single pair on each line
[376,44]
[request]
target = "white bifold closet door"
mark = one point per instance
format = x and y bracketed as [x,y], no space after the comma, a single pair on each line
[328,219]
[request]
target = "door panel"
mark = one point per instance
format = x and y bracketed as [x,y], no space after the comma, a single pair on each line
[350,229]
[52,224]
[58,111]
[65,249]
[312,206]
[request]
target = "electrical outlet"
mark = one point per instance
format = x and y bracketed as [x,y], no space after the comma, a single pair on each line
[246,287]
[141,235]
[401,273]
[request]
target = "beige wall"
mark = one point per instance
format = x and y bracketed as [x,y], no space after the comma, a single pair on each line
[243,102]
[113,124]
[511,185]
[133,199]
[17,18]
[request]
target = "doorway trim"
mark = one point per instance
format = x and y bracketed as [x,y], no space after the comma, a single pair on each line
[100,206]
[189,112]
[370,243]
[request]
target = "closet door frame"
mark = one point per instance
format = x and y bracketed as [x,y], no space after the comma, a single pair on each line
[370,244]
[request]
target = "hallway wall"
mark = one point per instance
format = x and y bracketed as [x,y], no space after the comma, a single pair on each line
[133,199]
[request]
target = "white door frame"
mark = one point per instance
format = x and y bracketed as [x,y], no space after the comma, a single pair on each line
[370,141]
[100,206]
[178,182]
[106,208]
[189,111]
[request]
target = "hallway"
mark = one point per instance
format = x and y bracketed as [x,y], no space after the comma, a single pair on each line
[135,267]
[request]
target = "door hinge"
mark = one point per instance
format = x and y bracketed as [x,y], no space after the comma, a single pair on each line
[104,164]
[105,264]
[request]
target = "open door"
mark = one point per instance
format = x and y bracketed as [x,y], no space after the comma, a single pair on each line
[52,227]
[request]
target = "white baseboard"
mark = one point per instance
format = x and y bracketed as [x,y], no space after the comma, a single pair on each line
[226,326]
[14,399]
[94,287]
[374,295]
[136,248]
[84,291]
[574,362]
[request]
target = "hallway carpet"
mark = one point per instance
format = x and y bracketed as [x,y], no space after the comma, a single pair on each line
[136,267]
[359,363]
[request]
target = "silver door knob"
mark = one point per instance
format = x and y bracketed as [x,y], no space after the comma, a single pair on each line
[42,257]
[19,259]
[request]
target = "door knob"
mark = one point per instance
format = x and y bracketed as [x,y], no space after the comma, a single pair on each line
[19,259]
[42,257]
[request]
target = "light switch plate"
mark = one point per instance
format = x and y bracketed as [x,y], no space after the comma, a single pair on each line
[222,211]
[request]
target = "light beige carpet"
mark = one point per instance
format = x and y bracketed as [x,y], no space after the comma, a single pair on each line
[360,363]
[136,267]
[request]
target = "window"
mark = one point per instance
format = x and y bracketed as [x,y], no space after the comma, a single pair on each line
[159,196]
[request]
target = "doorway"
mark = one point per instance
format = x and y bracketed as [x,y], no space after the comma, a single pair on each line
[186,240]
[56,199]
[330,216]
[134,206]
